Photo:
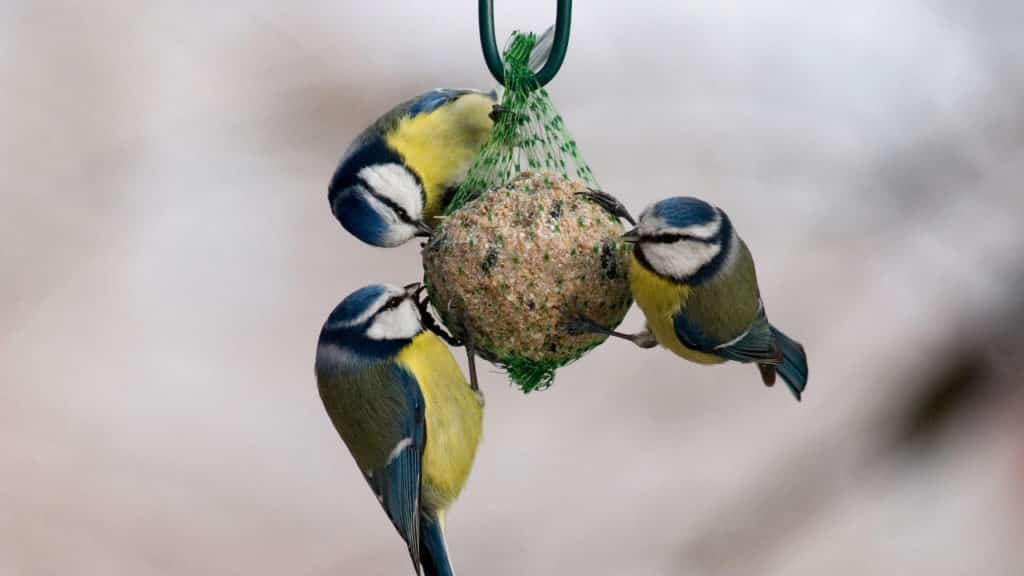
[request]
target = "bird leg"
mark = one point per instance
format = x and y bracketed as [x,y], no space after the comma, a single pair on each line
[474,384]
[577,325]
[430,323]
[609,203]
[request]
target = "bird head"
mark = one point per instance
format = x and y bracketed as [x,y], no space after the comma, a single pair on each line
[379,202]
[684,239]
[373,322]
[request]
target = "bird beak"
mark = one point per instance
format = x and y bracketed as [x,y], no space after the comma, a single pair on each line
[424,230]
[496,112]
[631,237]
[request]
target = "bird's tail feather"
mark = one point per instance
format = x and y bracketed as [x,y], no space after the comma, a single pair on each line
[433,549]
[794,363]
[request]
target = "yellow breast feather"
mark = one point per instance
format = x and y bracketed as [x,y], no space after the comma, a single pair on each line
[454,419]
[660,299]
[440,145]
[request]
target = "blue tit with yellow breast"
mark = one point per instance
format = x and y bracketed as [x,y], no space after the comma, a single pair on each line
[693,277]
[402,406]
[399,174]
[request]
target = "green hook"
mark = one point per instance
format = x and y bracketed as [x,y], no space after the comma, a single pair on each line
[563,21]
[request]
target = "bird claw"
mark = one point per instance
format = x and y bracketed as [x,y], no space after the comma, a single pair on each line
[578,325]
[609,203]
[422,301]
[474,383]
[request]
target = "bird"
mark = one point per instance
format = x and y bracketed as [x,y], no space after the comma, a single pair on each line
[401,405]
[396,178]
[694,279]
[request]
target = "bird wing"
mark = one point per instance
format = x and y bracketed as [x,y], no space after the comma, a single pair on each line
[433,100]
[428,102]
[379,413]
[725,316]
[397,482]
[755,344]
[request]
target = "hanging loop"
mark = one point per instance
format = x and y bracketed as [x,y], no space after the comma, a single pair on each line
[563,22]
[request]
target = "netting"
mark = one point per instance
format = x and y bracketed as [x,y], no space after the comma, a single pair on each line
[519,245]
[528,135]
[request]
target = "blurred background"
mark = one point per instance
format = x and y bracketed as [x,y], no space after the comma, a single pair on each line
[168,258]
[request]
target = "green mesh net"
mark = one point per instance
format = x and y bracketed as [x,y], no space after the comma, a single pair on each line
[528,135]
[520,198]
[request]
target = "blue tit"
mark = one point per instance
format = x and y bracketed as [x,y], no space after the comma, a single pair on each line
[694,279]
[401,404]
[398,176]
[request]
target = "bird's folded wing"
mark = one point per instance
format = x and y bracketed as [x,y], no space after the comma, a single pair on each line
[397,482]
[433,100]
[754,344]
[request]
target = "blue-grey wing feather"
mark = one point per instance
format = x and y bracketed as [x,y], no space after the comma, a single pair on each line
[397,483]
[433,100]
[755,344]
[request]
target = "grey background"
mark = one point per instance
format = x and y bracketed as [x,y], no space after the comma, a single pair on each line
[168,258]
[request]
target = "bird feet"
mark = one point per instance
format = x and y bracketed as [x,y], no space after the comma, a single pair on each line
[429,321]
[577,325]
[609,203]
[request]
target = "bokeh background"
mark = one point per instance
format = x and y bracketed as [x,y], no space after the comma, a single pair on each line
[168,257]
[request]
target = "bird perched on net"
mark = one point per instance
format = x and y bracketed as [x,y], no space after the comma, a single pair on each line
[694,279]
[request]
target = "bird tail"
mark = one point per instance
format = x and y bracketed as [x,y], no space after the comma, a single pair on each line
[794,363]
[433,548]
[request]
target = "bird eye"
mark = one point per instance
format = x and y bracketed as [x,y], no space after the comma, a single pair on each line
[670,238]
[393,302]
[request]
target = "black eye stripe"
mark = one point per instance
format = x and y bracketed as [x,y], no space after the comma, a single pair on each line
[393,302]
[669,238]
[398,210]
[402,214]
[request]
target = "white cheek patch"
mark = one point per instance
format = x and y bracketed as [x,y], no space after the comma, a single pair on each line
[395,324]
[396,231]
[680,259]
[398,234]
[383,210]
[396,183]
